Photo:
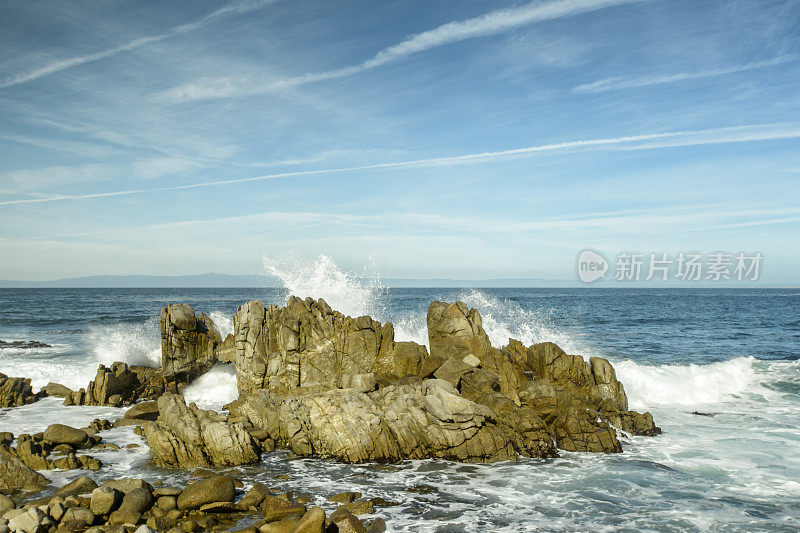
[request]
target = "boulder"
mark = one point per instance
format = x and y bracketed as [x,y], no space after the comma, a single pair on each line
[454,330]
[15,475]
[143,411]
[188,342]
[105,500]
[188,436]
[209,490]
[126,485]
[312,522]
[81,485]
[61,434]
[57,389]
[15,392]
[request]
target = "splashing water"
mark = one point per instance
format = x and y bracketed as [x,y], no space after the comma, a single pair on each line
[504,319]
[215,388]
[322,278]
[135,344]
[223,323]
[664,385]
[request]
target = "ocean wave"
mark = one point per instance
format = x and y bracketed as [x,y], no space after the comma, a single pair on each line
[686,385]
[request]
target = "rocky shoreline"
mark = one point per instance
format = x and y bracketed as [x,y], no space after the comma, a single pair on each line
[320,384]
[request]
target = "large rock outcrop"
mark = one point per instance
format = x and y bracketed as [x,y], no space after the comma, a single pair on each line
[187,436]
[405,421]
[15,392]
[486,404]
[188,342]
[306,343]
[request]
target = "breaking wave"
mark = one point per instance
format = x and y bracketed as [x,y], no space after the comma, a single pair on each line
[132,343]
[322,278]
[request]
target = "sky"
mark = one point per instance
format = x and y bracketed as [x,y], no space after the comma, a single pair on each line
[465,139]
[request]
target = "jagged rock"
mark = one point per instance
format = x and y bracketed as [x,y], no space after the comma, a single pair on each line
[23,344]
[452,370]
[188,436]
[15,475]
[15,392]
[396,422]
[456,331]
[188,342]
[121,385]
[209,490]
[308,344]
[226,352]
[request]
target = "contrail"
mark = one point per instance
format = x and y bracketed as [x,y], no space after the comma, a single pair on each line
[758,132]
[234,8]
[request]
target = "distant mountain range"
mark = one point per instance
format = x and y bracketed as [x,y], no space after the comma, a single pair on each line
[245,281]
[228,281]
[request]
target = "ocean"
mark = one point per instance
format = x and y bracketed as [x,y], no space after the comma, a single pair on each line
[718,368]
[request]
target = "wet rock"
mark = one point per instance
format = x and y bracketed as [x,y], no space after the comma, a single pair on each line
[188,342]
[347,522]
[15,392]
[359,507]
[126,485]
[210,490]
[189,436]
[345,497]
[15,475]
[25,345]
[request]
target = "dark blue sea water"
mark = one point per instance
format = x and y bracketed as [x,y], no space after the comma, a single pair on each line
[731,354]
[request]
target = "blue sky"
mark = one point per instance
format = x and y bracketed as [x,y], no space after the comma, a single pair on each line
[458,139]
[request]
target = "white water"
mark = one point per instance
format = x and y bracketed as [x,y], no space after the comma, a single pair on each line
[720,470]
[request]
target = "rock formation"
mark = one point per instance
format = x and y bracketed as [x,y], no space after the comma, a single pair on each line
[456,330]
[188,436]
[188,342]
[120,385]
[307,344]
[486,404]
[15,392]
[416,420]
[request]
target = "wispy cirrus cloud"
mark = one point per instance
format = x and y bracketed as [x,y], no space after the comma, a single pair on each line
[491,23]
[632,82]
[235,8]
[648,141]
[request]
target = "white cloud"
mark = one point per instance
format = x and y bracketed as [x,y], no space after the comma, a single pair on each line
[611,84]
[491,23]
[234,8]
[648,141]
